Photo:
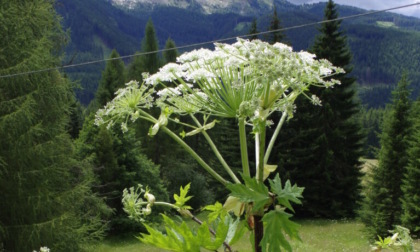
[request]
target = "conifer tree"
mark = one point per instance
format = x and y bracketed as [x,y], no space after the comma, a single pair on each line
[113,77]
[45,191]
[253,30]
[411,190]
[322,145]
[118,158]
[170,52]
[382,205]
[148,62]
[275,36]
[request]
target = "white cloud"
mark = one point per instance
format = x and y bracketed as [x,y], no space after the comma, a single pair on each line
[375,5]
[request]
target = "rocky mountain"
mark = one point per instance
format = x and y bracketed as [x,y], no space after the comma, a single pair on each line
[242,7]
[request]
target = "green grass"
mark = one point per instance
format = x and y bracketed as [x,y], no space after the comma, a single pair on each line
[386,24]
[317,236]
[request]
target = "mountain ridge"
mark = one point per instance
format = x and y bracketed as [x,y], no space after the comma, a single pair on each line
[383,45]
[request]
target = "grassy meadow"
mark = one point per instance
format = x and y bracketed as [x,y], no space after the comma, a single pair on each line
[317,236]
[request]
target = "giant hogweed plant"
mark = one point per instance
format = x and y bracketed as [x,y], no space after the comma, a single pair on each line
[248,81]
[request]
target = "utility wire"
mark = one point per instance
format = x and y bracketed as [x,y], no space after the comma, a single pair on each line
[208,42]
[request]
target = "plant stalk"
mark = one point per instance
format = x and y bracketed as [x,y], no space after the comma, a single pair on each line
[216,152]
[260,167]
[274,137]
[244,148]
[194,155]
[188,149]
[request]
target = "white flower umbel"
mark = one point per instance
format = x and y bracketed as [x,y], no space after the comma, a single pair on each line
[247,80]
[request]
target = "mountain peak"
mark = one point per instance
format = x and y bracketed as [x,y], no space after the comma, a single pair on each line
[242,7]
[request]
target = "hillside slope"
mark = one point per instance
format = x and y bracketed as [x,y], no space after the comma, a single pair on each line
[383,44]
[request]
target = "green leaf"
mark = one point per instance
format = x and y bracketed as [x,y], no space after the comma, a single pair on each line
[216,210]
[237,229]
[182,198]
[286,194]
[252,191]
[276,223]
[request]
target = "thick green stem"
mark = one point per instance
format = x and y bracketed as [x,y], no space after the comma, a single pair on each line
[260,169]
[194,155]
[274,137]
[187,148]
[216,152]
[244,149]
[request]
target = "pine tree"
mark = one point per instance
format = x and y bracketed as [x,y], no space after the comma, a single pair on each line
[411,180]
[382,204]
[113,77]
[170,52]
[320,147]
[45,191]
[253,30]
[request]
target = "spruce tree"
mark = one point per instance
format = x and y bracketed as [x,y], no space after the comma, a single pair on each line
[148,62]
[117,157]
[253,30]
[45,191]
[113,77]
[170,52]
[411,180]
[320,147]
[275,36]
[382,204]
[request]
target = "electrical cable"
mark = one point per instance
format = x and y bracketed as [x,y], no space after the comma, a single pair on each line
[207,42]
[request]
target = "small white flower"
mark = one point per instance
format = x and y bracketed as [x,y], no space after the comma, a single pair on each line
[315,100]
[282,47]
[307,57]
[168,92]
[199,74]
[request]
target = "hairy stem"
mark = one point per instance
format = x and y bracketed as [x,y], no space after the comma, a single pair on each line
[260,165]
[194,155]
[216,152]
[274,137]
[188,149]
[244,148]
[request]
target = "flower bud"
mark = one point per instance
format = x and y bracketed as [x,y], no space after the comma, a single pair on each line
[147,210]
[150,198]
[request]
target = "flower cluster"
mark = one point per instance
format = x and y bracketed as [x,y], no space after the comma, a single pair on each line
[133,202]
[248,79]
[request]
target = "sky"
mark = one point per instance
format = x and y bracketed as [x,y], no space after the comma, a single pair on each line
[375,5]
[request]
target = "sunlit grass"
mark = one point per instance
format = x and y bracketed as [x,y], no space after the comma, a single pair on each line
[317,236]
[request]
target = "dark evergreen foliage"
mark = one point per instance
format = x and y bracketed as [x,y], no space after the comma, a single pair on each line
[45,190]
[382,204]
[113,77]
[117,157]
[170,52]
[253,30]
[321,146]
[410,187]
[148,62]
[276,36]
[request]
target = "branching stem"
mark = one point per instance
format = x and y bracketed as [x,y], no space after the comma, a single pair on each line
[274,137]
[216,152]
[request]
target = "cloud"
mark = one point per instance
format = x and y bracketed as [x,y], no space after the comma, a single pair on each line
[374,5]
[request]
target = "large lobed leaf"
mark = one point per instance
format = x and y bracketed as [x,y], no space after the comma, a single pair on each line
[276,223]
[252,191]
[286,194]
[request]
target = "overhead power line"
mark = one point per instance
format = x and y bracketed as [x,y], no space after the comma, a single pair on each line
[208,42]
